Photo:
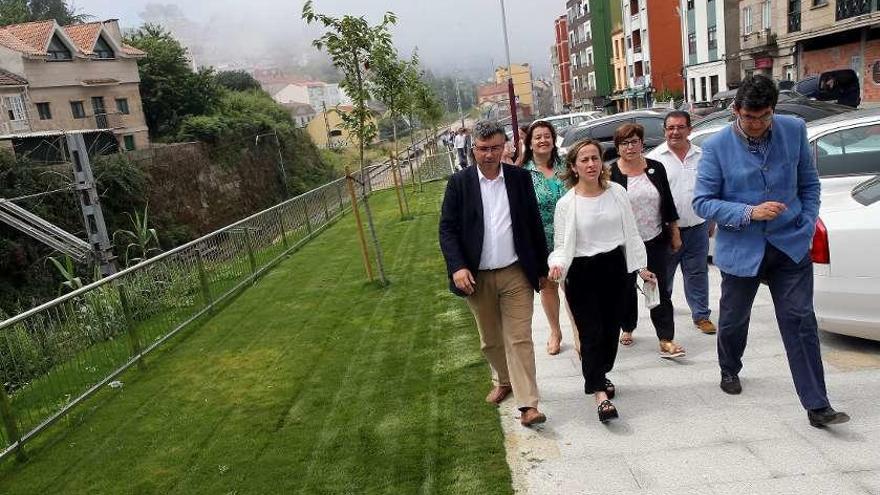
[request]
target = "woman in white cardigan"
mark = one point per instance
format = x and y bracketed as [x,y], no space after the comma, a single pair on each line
[596,245]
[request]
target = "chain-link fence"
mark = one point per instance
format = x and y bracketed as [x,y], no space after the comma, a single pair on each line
[56,355]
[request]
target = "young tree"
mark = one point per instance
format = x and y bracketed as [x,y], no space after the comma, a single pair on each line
[389,87]
[170,90]
[351,43]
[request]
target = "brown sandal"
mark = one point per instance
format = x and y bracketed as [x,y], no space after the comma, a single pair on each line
[669,349]
[625,339]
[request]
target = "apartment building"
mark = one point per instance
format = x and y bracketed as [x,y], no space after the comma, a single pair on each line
[761,22]
[523,88]
[652,30]
[829,35]
[318,94]
[708,39]
[604,16]
[580,42]
[561,61]
[77,78]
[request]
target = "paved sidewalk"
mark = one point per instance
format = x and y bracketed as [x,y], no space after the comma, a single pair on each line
[679,433]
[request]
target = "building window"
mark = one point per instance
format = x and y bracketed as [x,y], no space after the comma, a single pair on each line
[15,108]
[692,43]
[766,19]
[713,38]
[794,16]
[44,110]
[58,50]
[703,89]
[747,20]
[78,110]
[819,3]
[102,49]
[128,142]
[122,106]
[690,4]
[591,80]
[713,86]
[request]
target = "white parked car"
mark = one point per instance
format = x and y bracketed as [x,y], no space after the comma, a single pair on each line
[846,149]
[846,271]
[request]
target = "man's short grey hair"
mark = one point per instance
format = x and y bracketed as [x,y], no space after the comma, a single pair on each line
[485,129]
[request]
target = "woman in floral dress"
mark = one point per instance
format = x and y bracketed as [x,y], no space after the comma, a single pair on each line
[542,159]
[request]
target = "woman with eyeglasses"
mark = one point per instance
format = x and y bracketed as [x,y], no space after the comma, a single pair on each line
[595,250]
[657,219]
[541,158]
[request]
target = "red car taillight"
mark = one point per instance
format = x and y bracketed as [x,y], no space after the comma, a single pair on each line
[819,251]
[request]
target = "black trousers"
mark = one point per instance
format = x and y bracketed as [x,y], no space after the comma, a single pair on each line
[661,316]
[595,289]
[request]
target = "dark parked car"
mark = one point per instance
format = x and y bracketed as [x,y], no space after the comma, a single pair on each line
[603,129]
[698,109]
[840,86]
[805,108]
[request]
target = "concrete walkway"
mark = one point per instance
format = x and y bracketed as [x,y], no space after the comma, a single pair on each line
[679,433]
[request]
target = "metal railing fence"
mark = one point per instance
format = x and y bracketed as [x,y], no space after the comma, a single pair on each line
[53,357]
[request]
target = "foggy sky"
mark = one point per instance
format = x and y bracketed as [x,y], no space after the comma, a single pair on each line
[451,35]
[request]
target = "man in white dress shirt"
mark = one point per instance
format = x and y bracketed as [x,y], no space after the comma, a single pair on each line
[680,158]
[496,257]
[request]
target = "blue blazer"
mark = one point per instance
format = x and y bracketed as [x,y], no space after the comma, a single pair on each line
[461,224]
[730,178]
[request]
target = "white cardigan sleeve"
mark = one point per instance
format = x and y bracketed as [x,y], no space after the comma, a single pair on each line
[561,218]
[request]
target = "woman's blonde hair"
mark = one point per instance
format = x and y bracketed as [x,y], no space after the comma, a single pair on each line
[571,177]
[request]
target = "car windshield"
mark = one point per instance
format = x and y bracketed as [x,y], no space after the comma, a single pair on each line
[868,192]
[854,151]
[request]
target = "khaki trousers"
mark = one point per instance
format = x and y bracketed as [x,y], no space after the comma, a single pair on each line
[502,306]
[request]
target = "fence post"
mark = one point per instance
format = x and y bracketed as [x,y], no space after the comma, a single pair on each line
[326,207]
[403,191]
[250,250]
[341,204]
[10,424]
[349,180]
[134,340]
[397,188]
[308,217]
[281,226]
[203,281]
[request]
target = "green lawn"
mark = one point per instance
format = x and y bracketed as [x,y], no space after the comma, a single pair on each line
[312,381]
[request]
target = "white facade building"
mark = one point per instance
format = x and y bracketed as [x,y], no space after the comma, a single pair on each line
[316,94]
[703,48]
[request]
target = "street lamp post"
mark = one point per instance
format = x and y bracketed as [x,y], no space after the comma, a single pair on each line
[510,93]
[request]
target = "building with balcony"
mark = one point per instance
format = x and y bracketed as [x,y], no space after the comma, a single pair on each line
[618,59]
[707,44]
[580,42]
[523,89]
[561,64]
[652,30]
[78,78]
[834,34]
[605,15]
[762,22]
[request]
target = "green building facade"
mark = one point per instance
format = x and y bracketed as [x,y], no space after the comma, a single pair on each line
[603,16]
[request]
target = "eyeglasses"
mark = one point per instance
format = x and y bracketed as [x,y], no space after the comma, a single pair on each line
[489,149]
[677,127]
[630,142]
[763,118]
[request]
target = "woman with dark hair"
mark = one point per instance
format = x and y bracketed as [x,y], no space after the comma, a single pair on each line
[596,248]
[657,219]
[542,159]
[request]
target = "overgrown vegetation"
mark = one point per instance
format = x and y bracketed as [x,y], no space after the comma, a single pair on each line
[18,11]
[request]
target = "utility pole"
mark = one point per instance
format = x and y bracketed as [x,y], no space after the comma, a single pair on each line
[326,122]
[458,99]
[87,195]
[510,92]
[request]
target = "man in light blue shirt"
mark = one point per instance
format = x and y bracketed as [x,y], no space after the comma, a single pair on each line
[757,181]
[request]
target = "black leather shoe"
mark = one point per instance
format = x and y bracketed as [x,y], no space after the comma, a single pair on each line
[730,384]
[827,416]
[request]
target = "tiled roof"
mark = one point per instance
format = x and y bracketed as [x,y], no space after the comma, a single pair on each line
[33,34]
[32,38]
[9,79]
[84,35]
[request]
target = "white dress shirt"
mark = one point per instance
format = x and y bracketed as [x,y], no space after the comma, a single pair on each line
[599,226]
[498,248]
[459,141]
[682,176]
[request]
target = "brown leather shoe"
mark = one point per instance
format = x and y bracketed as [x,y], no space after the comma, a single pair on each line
[498,394]
[531,416]
[706,326]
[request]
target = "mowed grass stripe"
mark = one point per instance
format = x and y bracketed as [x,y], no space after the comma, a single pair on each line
[310,382]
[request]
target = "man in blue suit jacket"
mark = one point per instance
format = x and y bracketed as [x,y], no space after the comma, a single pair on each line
[757,181]
[496,256]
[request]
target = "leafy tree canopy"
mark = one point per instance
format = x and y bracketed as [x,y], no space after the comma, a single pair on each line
[18,11]
[237,80]
[170,89]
